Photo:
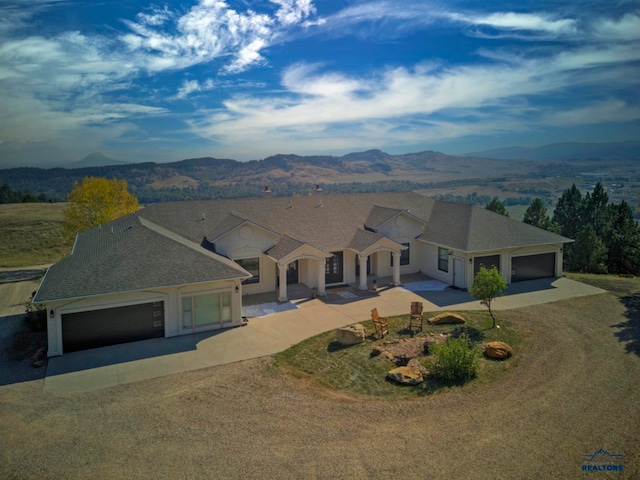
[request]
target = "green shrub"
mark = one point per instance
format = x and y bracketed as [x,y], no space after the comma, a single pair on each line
[455,360]
[35,316]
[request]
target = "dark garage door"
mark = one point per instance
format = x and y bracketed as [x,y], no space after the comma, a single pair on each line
[530,267]
[110,326]
[487,262]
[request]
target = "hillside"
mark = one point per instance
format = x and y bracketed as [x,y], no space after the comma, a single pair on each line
[470,179]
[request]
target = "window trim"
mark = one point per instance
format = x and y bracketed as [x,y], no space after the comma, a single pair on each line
[405,258]
[441,258]
[256,278]
[224,308]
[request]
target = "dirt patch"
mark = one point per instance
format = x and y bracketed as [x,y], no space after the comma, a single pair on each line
[574,391]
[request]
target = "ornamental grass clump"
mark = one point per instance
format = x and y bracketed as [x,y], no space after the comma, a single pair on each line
[454,360]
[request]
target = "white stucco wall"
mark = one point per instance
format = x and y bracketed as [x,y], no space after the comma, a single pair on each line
[172,298]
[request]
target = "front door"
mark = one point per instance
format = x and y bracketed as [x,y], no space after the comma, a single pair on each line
[333,271]
[458,273]
[292,273]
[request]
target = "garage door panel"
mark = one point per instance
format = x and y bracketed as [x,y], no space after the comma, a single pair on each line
[487,262]
[111,326]
[531,267]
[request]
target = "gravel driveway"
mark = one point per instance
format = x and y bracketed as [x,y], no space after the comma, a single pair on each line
[575,390]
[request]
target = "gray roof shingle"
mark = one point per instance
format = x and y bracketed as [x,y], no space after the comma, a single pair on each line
[159,245]
[129,259]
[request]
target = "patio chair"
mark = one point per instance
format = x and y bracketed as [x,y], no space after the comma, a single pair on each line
[381,324]
[415,318]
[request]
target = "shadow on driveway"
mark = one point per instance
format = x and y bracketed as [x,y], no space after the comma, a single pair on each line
[126,352]
[451,296]
[17,347]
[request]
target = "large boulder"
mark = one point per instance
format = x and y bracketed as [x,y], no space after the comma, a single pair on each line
[498,350]
[446,318]
[351,335]
[405,376]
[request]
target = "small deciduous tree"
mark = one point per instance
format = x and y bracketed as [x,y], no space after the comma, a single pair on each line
[487,286]
[497,206]
[96,201]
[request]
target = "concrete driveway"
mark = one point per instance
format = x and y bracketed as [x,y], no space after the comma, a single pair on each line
[132,362]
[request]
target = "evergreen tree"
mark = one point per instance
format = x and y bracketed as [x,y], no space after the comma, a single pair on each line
[589,253]
[497,206]
[595,210]
[569,212]
[536,215]
[623,241]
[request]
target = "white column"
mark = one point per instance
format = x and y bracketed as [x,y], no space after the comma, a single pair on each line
[396,268]
[363,271]
[282,293]
[321,285]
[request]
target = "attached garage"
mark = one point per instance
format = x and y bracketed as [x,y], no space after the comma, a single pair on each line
[487,262]
[110,326]
[530,267]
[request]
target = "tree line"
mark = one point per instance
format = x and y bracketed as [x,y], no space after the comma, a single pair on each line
[606,235]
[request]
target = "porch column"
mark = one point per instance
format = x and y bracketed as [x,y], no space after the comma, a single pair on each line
[282,293]
[363,271]
[322,291]
[396,268]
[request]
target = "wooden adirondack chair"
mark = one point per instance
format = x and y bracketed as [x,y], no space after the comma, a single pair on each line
[415,319]
[380,323]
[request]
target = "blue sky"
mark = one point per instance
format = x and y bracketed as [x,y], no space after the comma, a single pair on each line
[244,79]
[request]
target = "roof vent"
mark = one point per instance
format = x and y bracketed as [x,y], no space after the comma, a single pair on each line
[318,190]
[111,230]
[320,204]
[266,193]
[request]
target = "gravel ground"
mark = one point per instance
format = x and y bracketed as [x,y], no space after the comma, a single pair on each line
[575,390]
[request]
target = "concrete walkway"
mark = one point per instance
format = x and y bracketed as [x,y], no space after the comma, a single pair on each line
[132,362]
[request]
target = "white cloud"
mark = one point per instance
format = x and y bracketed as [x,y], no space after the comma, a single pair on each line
[520,21]
[625,28]
[190,86]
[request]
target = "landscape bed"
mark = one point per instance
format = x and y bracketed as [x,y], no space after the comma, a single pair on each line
[353,370]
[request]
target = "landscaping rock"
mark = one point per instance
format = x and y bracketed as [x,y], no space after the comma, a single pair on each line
[446,318]
[350,335]
[405,376]
[498,350]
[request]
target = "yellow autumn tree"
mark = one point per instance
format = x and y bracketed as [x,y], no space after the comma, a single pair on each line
[96,201]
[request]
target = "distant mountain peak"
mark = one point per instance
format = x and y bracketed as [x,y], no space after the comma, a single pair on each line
[95,159]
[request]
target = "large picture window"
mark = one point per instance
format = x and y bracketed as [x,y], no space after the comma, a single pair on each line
[443,259]
[251,265]
[405,258]
[206,309]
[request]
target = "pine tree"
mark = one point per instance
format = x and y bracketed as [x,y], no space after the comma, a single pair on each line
[589,253]
[623,241]
[536,215]
[497,206]
[569,212]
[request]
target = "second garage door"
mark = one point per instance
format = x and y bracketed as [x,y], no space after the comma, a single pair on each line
[530,267]
[110,326]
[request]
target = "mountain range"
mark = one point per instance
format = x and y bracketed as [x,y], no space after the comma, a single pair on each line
[565,151]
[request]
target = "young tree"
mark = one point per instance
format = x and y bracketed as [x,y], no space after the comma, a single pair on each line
[536,215]
[487,286]
[96,201]
[497,206]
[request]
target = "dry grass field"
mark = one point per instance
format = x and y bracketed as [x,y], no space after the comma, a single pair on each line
[31,234]
[576,389]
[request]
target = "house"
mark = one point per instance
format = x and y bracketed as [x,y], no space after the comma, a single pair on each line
[177,268]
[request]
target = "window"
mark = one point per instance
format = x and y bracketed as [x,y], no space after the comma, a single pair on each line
[443,259]
[206,309]
[251,265]
[405,259]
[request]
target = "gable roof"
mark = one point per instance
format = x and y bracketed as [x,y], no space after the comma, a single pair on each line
[164,244]
[125,255]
